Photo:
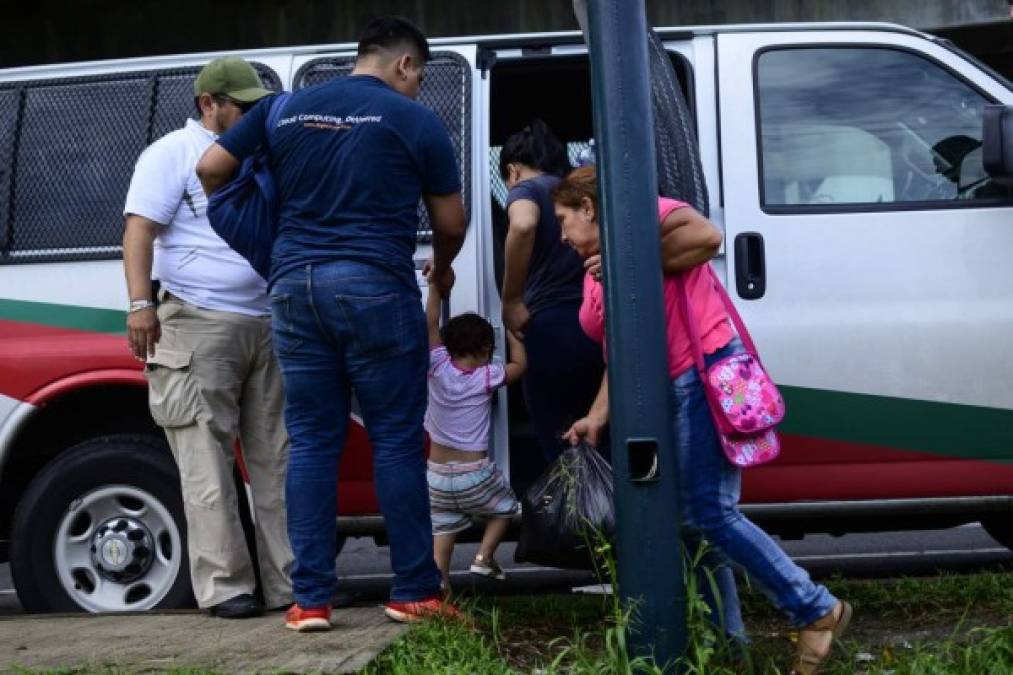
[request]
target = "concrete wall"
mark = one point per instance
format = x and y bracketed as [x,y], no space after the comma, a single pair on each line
[52,31]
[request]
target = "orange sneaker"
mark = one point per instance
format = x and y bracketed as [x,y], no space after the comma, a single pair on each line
[417,610]
[308,620]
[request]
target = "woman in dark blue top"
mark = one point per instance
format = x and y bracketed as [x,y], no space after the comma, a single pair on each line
[542,289]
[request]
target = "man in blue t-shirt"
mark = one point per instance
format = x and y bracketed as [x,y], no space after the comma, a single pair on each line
[352,157]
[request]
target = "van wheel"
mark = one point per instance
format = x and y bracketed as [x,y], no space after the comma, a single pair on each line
[101,529]
[1001,529]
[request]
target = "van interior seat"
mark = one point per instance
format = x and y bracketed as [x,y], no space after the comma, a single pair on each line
[825,164]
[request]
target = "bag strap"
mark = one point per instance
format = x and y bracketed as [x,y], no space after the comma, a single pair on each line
[693,326]
[262,179]
[690,322]
[740,326]
[273,114]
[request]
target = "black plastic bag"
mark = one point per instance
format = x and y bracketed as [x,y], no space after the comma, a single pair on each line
[569,508]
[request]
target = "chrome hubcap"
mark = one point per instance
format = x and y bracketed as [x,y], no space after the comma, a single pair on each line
[122,549]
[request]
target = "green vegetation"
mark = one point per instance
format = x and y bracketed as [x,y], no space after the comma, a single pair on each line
[952,624]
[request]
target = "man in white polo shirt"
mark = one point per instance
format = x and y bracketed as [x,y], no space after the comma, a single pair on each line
[211,369]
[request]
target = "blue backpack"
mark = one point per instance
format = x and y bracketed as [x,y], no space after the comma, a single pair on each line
[244,212]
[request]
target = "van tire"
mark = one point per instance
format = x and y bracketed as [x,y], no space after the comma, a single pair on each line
[1000,528]
[113,498]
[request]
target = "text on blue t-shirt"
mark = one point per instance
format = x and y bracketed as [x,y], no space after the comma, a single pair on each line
[351,158]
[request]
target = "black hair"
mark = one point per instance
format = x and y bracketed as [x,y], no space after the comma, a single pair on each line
[392,31]
[537,147]
[467,335]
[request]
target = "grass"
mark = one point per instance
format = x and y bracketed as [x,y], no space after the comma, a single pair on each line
[953,624]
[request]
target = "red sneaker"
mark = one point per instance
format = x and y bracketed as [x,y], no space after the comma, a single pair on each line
[417,610]
[307,620]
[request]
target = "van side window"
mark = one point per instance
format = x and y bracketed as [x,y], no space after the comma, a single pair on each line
[76,148]
[9,100]
[67,151]
[867,125]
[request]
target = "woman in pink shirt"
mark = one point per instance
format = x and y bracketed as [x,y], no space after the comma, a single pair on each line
[709,484]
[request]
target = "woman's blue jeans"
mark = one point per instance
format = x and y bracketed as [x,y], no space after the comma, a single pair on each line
[342,327]
[710,487]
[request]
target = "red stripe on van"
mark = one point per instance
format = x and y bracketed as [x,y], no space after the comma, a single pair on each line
[814,469]
[34,356]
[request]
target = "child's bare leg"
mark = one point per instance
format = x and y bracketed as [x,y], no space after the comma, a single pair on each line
[443,547]
[495,530]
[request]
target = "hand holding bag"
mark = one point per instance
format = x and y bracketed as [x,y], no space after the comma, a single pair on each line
[566,510]
[743,400]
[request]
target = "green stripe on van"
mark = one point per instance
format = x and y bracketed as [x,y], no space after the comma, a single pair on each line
[948,429]
[74,317]
[953,430]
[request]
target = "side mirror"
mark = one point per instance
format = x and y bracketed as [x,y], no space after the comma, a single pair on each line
[997,142]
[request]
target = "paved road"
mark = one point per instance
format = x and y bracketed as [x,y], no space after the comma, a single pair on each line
[364,568]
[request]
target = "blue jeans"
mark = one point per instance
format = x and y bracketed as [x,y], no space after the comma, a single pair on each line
[710,488]
[340,327]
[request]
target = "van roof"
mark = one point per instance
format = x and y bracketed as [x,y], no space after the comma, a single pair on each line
[677,32]
[514,40]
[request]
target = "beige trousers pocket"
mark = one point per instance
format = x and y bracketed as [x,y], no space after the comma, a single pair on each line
[173,395]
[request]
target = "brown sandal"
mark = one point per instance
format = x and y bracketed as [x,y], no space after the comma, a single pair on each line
[807,659]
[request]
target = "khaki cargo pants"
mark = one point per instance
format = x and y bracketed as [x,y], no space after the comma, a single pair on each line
[214,378]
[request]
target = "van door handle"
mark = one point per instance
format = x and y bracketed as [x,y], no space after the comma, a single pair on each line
[750,266]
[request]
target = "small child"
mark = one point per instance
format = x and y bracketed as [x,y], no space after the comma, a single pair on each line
[463,481]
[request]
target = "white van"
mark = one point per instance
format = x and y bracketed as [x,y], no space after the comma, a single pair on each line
[865,246]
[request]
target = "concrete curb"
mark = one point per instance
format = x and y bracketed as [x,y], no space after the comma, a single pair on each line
[146,642]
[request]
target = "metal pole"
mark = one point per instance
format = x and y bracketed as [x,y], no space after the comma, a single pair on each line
[648,546]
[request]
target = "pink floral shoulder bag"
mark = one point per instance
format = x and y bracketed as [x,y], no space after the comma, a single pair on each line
[743,400]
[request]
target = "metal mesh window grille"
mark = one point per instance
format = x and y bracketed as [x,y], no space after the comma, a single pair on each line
[9,101]
[446,90]
[67,152]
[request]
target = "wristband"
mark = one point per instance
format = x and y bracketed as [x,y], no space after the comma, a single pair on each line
[138,305]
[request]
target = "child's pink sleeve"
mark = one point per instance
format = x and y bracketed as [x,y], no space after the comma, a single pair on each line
[495,376]
[437,356]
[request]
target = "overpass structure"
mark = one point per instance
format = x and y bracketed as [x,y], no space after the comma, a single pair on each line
[54,31]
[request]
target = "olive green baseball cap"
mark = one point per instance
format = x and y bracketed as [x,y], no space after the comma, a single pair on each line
[232,77]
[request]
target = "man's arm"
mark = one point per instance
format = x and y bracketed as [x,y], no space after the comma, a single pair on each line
[687,240]
[143,329]
[520,242]
[446,214]
[222,158]
[216,168]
